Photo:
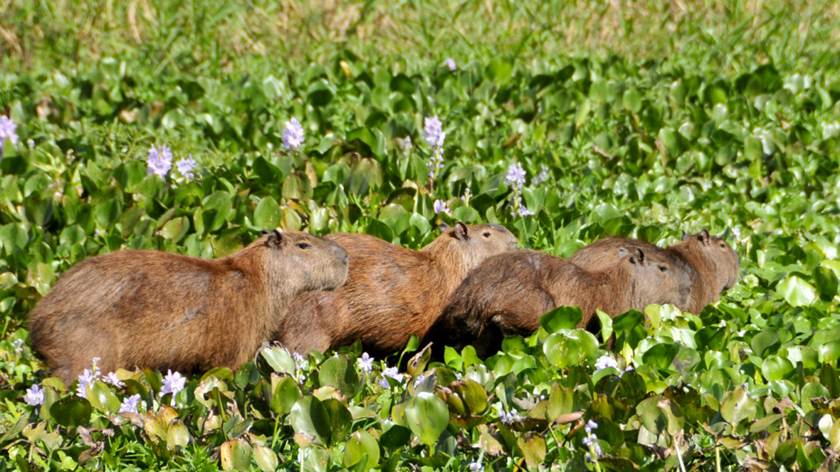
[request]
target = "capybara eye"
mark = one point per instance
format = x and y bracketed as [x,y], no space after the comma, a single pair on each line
[486,234]
[723,245]
[304,245]
[663,268]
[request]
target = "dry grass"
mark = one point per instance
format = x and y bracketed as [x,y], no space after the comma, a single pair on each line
[302,31]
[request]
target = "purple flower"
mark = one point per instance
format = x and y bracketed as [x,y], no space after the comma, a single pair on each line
[509,418]
[86,378]
[186,167]
[441,206]
[515,176]
[524,211]
[433,131]
[365,363]
[476,466]
[605,362]
[390,372]
[34,395]
[293,135]
[8,131]
[173,383]
[159,161]
[590,426]
[112,379]
[130,404]
[450,64]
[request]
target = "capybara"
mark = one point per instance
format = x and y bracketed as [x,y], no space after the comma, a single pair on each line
[711,264]
[508,293]
[391,292]
[134,308]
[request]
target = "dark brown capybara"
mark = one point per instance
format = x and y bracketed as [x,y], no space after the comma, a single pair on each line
[134,308]
[710,262]
[391,292]
[508,293]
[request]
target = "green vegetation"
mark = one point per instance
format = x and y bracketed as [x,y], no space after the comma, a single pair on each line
[644,119]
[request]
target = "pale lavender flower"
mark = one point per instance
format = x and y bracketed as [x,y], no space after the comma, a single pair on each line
[186,167]
[604,362]
[112,379]
[34,395]
[130,404]
[450,64]
[8,131]
[441,206]
[85,378]
[300,361]
[159,161]
[365,363]
[433,132]
[476,466]
[419,379]
[515,176]
[524,211]
[293,135]
[390,372]
[173,383]
[590,426]
[509,418]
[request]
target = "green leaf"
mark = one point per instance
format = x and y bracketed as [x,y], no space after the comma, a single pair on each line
[533,448]
[284,394]
[71,411]
[340,373]
[177,436]
[101,397]
[279,359]
[570,347]
[564,317]
[235,455]
[361,451]
[660,356]
[309,416]
[796,291]
[737,406]
[267,214]
[265,458]
[175,229]
[427,417]
[775,368]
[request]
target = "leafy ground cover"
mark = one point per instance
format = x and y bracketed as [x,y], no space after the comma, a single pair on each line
[157,125]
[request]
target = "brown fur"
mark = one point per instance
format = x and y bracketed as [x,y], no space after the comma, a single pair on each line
[154,309]
[391,292]
[711,264]
[508,293]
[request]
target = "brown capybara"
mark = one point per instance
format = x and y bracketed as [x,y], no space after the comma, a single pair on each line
[154,309]
[711,264]
[391,292]
[508,293]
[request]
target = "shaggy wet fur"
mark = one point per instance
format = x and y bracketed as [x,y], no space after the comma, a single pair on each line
[709,261]
[508,293]
[154,309]
[391,292]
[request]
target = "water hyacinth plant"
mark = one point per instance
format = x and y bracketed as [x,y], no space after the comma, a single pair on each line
[666,120]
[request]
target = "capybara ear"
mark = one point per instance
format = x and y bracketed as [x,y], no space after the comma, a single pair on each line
[703,236]
[640,255]
[275,239]
[443,227]
[461,231]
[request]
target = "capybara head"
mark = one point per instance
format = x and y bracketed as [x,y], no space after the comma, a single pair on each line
[654,279]
[299,261]
[720,257]
[472,244]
